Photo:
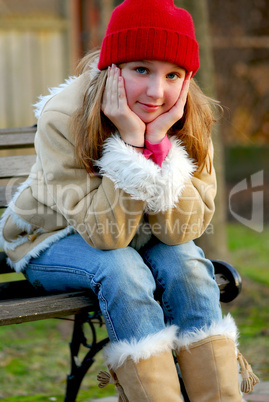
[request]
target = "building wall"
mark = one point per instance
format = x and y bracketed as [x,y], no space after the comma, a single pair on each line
[35,55]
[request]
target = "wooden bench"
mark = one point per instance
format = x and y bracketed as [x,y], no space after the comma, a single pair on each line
[20,302]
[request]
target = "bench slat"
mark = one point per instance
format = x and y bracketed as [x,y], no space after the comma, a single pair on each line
[17,140]
[18,130]
[16,165]
[18,137]
[7,191]
[51,306]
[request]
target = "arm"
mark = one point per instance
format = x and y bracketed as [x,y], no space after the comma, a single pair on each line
[192,211]
[105,216]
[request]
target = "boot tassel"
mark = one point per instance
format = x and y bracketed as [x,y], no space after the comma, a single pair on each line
[249,379]
[105,378]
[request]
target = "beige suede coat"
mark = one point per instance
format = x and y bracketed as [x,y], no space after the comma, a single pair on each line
[128,200]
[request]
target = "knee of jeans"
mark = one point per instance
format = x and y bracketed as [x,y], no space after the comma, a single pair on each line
[181,259]
[191,251]
[130,276]
[195,261]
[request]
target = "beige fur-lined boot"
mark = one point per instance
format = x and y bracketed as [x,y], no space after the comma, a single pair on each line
[209,370]
[144,371]
[154,379]
[208,361]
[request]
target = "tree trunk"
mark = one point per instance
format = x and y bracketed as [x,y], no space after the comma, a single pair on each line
[214,241]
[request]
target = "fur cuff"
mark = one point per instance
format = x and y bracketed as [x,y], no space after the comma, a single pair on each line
[159,187]
[226,327]
[117,353]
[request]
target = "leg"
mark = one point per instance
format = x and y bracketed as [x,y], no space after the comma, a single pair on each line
[140,341]
[190,295]
[205,346]
[123,283]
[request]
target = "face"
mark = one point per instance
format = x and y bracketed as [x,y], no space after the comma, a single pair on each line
[152,87]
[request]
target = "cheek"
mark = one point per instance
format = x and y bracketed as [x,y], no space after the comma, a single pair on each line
[129,91]
[134,86]
[133,92]
[173,94]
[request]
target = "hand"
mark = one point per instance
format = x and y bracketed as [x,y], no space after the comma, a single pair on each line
[115,107]
[157,129]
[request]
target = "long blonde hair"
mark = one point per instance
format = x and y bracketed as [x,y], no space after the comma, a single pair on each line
[91,127]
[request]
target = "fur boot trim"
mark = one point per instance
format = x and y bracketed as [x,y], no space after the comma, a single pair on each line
[226,327]
[159,187]
[116,353]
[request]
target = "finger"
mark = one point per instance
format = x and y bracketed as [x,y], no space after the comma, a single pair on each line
[105,93]
[106,101]
[184,92]
[114,87]
[122,93]
[186,84]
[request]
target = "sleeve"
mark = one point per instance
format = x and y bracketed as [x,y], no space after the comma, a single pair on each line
[192,212]
[157,152]
[105,215]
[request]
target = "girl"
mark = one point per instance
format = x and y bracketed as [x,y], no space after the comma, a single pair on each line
[123,182]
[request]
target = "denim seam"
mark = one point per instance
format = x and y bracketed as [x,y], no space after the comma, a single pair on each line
[58,268]
[105,312]
[162,284]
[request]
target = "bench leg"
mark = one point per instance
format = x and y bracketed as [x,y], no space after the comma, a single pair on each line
[79,369]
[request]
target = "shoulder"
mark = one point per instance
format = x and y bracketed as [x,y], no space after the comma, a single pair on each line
[65,98]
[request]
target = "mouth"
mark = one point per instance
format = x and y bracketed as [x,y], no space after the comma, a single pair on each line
[149,107]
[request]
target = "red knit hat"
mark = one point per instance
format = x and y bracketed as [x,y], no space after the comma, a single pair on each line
[150,30]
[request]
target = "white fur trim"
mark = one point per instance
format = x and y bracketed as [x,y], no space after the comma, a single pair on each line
[36,251]
[226,327]
[25,226]
[116,353]
[21,239]
[38,106]
[144,180]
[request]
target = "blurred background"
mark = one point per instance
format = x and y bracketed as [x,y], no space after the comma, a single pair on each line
[41,42]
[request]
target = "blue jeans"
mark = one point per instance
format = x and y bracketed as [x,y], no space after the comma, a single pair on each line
[125,282]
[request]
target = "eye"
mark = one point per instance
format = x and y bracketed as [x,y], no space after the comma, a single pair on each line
[141,70]
[173,76]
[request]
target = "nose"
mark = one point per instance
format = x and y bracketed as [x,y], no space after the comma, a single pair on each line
[155,89]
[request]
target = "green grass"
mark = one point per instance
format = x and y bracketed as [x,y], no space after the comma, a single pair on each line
[34,360]
[34,357]
[249,254]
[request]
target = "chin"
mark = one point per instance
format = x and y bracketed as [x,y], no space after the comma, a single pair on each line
[148,119]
